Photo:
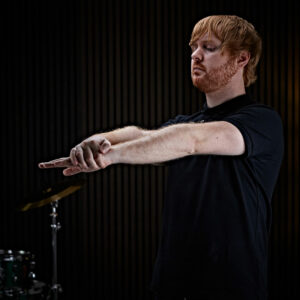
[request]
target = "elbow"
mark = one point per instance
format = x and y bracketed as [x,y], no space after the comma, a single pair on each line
[192,146]
[192,142]
[240,148]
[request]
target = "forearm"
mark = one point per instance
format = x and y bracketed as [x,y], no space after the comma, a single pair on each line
[176,141]
[161,145]
[125,134]
[156,146]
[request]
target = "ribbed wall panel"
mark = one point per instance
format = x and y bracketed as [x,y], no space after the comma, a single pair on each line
[73,68]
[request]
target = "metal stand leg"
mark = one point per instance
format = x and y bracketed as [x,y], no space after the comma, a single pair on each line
[55,226]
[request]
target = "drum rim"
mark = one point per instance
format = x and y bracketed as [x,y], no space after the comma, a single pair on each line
[14,252]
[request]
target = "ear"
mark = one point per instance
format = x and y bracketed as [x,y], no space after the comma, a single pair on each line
[243,58]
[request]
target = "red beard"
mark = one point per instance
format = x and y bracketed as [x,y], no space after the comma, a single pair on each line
[216,78]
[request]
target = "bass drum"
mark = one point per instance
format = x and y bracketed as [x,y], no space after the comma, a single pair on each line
[17,277]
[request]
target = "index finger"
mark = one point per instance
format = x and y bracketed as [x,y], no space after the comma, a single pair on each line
[56,163]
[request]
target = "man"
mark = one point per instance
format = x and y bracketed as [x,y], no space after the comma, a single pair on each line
[223,165]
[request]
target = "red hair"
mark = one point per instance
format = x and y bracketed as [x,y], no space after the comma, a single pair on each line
[236,34]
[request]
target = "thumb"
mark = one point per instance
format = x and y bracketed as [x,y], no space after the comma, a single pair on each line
[105,146]
[71,171]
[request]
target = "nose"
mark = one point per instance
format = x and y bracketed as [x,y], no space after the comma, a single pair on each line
[196,59]
[197,55]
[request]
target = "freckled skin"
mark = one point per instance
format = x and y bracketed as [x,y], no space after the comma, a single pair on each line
[217,68]
[216,78]
[214,72]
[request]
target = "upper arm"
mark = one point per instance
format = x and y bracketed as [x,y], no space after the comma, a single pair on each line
[218,138]
[261,128]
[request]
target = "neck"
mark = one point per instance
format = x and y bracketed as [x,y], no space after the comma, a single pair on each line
[231,90]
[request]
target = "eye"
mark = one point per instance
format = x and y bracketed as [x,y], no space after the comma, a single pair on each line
[209,48]
[193,47]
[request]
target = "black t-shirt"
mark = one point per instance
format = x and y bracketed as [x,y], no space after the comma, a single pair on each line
[217,211]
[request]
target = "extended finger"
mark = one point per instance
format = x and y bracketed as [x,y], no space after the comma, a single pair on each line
[71,171]
[56,163]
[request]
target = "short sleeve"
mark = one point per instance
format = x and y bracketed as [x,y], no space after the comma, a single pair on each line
[261,128]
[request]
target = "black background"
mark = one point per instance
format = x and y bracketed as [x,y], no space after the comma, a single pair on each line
[73,68]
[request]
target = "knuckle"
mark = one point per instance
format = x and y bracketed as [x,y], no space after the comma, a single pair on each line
[85,167]
[94,143]
[99,162]
[89,160]
[96,155]
[107,144]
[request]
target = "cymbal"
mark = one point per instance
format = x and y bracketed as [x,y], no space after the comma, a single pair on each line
[54,193]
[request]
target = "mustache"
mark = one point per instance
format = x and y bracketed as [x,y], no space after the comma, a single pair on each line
[196,66]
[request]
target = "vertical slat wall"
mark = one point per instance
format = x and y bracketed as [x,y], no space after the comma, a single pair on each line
[72,68]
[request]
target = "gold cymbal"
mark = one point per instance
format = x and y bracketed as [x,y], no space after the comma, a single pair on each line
[54,193]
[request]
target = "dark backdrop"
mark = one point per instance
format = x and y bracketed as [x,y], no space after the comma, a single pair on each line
[73,68]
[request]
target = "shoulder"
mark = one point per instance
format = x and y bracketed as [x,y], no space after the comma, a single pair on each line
[256,114]
[261,127]
[258,109]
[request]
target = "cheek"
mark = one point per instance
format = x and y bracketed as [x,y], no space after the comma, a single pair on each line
[215,62]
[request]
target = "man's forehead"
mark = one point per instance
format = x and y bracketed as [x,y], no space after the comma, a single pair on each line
[208,38]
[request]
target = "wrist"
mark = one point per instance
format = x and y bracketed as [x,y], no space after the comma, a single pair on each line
[113,155]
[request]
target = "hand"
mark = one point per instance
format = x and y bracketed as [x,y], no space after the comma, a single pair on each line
[86,154]
[65,162]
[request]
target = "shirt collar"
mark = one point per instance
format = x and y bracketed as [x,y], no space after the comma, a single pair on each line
[228,105]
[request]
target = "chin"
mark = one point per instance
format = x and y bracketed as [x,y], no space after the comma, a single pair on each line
[204,87]
[198,83]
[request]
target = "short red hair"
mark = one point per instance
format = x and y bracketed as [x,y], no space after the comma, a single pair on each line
[236,34]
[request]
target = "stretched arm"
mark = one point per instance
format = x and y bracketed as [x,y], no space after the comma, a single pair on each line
[101,143]
[125,134]
[176,141]
[85,155]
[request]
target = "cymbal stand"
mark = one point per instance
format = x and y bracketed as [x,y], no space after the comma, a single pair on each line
[55,226]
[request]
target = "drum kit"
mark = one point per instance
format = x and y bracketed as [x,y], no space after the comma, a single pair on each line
[17,267]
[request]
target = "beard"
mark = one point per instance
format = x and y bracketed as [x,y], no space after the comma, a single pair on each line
[215,78]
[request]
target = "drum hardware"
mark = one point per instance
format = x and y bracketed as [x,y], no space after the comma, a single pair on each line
[53,193]
[55,226]
[17,273]
[51,196]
